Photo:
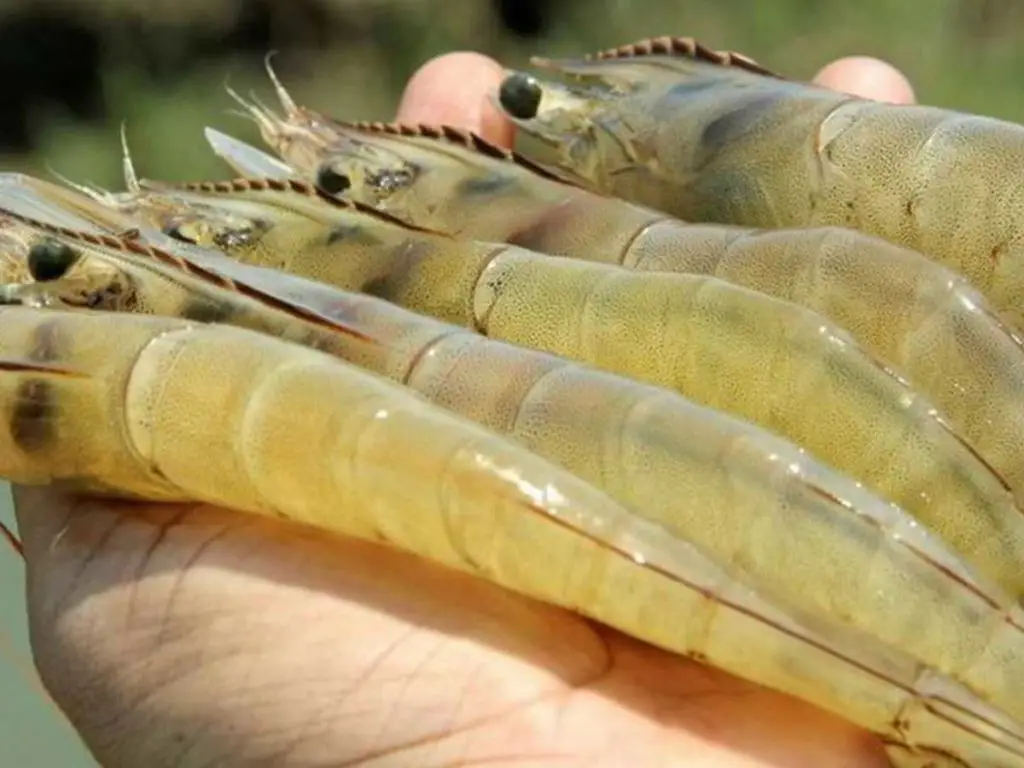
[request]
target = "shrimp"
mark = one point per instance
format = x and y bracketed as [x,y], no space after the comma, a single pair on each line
[547,403]
[891,438]
[548,410]
[925,321]
[453,181]
[767,152]
[128,420]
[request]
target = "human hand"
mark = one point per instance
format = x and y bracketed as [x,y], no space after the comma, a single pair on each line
[189,635]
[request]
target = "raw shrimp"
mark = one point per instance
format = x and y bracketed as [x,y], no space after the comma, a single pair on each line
[547,404]
[913,458]
[925,321]
[127,419]
[767,152]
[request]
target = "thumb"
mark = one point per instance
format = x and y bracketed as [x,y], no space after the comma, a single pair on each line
[868,78]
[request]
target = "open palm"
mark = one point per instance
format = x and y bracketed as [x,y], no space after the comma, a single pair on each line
[196,636]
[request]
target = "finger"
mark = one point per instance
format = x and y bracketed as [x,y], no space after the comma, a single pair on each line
[453,89]
[868,78]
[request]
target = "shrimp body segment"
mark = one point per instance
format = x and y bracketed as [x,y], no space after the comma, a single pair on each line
[767,152]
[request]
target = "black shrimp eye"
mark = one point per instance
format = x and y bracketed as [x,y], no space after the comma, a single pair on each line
[332,182]
[50,260]
[519,95]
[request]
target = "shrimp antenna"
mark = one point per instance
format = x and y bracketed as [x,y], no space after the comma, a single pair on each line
[88,189]
[265,119]
[287,102]
[271,127]
[247,109]
[131,179]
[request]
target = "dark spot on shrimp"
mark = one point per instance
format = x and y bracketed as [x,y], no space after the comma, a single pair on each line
[520,95]
[398,279]
[378,287]
[206,311]
[737,123]
[533,232]
[483,186]
[343,232]
[46,343]
[998,252]
[330,181]
[33,420]
[50,260]
[686,90]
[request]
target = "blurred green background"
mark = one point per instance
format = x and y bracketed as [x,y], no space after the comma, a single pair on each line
[73,70]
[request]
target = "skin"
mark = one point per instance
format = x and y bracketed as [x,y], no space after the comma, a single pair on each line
[199,636]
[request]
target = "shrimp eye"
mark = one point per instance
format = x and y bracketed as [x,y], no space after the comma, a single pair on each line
[519,95]
[50,260]
[332,182]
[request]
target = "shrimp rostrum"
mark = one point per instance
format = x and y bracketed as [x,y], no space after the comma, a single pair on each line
[564,529]
[725,142]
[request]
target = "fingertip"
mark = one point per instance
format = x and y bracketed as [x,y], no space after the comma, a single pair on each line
[867,77]
[453,89]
